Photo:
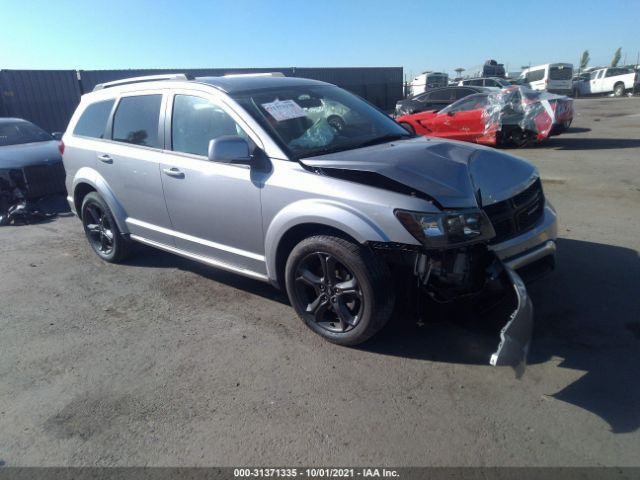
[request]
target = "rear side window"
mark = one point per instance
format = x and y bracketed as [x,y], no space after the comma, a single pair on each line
[535,75]
[93,120]
[136,120]
[440,95]
[462,92]
[614,72]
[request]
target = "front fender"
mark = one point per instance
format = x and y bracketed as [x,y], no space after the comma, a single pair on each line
[91,177]
[323,212]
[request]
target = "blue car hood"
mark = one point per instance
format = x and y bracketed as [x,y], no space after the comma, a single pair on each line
[454,174]
[27,154]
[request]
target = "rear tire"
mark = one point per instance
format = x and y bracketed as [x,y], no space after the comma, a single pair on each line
[618,90]
[101,230]
[339,289]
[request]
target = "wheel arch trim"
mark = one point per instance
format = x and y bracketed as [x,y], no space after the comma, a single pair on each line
[89,176]
[324,213]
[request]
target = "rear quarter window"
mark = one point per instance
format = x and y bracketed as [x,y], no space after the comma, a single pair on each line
[93,121]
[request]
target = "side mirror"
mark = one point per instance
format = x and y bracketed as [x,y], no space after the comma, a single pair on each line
[451,114]
[57,135]
[229,149]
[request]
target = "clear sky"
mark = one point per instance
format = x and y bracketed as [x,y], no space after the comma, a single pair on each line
[417,35]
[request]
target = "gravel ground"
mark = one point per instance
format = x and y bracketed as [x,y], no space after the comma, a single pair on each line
[162,361]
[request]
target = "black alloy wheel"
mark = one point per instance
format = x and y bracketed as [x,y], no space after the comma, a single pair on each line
[331,292]
[340,289]
[101,230]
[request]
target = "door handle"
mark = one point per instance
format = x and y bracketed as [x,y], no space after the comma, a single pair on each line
[173,172]
[105,158]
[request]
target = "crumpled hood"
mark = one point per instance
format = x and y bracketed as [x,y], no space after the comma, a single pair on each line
[25,154]
[450,172]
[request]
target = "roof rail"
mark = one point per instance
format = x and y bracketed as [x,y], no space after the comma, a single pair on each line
[147,78]
[265,74]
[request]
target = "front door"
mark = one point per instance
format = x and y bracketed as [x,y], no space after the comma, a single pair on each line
[214,207]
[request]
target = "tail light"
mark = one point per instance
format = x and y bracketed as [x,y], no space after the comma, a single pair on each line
[61,147]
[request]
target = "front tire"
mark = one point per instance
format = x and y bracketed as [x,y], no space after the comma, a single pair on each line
[339,289]
[101,230]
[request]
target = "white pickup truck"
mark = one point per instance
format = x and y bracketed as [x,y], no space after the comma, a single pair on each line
[607,80]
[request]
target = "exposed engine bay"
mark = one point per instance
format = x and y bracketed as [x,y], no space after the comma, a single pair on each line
[475,274]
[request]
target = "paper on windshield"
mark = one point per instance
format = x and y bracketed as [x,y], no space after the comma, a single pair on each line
[284,110]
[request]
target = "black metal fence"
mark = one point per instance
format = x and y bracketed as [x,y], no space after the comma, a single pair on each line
[44,97]
[49,97]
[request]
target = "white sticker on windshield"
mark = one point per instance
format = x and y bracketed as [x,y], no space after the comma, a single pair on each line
[284,110]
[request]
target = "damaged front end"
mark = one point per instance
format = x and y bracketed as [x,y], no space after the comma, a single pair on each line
[25,191]
[476,274]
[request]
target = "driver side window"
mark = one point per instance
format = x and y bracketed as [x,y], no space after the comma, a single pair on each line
[470,103]
[195,121]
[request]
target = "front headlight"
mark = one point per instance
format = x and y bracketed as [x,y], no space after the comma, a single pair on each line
[447,229]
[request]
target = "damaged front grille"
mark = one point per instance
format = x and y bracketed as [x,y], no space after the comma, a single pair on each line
[517,214]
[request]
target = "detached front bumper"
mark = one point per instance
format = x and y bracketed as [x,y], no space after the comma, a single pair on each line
[515,336]
[536,246]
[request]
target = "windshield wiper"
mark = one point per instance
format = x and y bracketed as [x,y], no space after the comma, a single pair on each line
[384,139]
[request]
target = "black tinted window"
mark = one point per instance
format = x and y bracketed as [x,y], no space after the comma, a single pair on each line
[93,120]
[440,96]
[196,121]
[463,92]
[535,75]
[136,120]
[613,72]
[472,102]
[560,73]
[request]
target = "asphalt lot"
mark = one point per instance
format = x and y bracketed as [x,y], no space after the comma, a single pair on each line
[162,361]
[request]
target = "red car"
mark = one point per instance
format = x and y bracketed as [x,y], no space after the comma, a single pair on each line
[512,116]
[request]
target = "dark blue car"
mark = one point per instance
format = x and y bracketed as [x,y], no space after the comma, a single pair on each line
[30,165]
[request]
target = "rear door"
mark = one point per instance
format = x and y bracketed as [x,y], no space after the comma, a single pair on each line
[559,77]
[129,163]
[214,207]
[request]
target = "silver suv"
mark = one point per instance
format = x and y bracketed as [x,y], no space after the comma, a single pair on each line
[304,185]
